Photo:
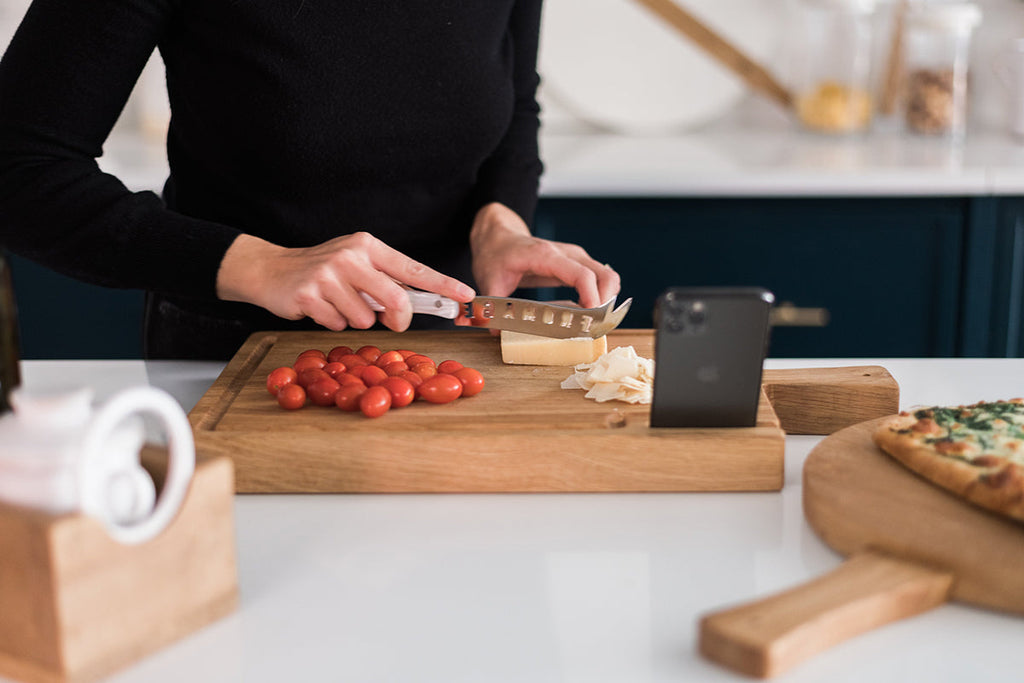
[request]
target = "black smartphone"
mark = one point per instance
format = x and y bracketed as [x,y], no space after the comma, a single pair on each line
[709,350]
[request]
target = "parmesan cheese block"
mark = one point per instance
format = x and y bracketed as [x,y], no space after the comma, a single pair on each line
[529,349]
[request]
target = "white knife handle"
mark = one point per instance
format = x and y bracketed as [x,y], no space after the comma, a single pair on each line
[423,302]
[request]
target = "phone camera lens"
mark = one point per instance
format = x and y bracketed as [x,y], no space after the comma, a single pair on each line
[696,315]
[675,306]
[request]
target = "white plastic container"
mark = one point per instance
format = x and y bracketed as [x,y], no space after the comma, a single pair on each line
[832,67]
[936,65]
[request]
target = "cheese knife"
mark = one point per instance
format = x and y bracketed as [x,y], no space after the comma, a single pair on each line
[561,321]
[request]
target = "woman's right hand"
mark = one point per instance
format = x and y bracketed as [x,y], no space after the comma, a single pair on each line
[324,282]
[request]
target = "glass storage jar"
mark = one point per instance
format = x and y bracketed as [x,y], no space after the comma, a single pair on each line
[833,66]
[936,60]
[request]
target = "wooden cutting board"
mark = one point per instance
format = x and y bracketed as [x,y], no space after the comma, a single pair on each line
[522,433]
[911,546]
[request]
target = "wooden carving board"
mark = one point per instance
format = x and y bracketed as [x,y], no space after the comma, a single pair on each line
[911,547]
[522,433]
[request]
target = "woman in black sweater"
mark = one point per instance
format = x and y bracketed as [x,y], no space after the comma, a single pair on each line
[317,149]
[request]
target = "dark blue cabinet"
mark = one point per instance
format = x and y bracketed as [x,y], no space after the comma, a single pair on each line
[63,318]
[888,271]
[991,324]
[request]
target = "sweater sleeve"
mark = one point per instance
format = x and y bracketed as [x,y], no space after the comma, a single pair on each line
[63,82]
[511,175]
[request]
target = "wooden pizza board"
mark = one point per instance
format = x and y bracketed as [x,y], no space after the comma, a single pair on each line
[522,433]
[911,546]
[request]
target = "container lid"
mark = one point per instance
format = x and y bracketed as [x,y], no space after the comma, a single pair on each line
[43,426]
[953,17]
[53,410]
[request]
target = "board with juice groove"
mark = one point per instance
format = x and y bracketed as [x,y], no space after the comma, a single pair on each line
[522,433]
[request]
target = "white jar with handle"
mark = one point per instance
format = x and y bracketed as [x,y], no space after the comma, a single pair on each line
[59,455]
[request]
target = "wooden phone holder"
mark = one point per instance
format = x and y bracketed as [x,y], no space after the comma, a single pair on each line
[75,605]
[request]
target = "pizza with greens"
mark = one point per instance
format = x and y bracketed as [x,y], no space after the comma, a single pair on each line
[975,451]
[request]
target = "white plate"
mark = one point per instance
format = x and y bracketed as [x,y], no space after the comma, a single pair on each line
[615,64]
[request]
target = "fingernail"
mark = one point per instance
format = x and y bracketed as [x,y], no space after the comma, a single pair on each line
[466,292]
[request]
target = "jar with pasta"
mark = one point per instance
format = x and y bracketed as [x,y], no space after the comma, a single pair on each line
[833,66]
[936,64]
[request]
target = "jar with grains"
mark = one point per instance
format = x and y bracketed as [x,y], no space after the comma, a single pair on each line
[937,45]
[833,66]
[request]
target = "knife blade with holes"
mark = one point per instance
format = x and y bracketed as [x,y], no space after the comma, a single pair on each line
[545,319]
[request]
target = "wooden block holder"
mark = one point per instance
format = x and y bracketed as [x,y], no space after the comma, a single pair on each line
[522,434]
[75,605]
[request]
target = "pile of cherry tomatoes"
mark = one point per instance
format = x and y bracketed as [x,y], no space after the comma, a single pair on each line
[370,380]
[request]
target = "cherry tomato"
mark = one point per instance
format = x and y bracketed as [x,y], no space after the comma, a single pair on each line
[291,397]
[388,357]
[449,366]
[396,368]
[307,362]
[347,378]
[402,392]
[370,353]
[478,315]
[348,395]
[372,375]
[322,391]
[351,360]
[375,401]
[280,378]
[406,353]
[334,369]
[311,375]
[417,358]
[315,353]
[440,389]
[411,377]
[337,352]
[424,370]
[472,381]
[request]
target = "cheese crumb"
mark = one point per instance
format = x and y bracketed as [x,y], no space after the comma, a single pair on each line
[619,375]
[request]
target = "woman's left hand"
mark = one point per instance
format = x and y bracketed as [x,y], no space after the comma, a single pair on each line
[506,256]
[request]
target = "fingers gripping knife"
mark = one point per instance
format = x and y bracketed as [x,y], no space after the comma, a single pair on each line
[521,315]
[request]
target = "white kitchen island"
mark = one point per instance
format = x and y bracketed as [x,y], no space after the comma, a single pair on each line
[541,588]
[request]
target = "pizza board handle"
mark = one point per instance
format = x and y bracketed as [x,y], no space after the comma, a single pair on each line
[767,637]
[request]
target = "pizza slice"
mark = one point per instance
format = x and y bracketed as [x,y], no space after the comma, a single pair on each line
[975,451]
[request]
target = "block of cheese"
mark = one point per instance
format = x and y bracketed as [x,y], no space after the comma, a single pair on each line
[529,349]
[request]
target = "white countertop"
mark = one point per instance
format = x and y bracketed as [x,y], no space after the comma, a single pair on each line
[774,161]
[731,158]
[540,587]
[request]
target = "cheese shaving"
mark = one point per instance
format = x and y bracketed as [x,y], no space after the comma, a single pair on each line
[619,375]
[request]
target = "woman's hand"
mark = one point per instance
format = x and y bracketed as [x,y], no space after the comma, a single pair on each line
[507,256]
[324,282]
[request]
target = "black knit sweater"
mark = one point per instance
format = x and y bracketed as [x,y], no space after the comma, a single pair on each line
[293,120]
